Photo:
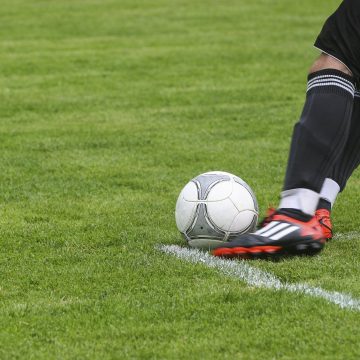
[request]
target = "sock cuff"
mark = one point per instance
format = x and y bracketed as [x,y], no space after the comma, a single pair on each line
[324,204]
[302,199]
[334,72]
[330,190]
[331,81]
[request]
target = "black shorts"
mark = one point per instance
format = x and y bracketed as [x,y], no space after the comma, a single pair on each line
[340,36]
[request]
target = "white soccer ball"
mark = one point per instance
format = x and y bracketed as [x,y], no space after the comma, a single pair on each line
[214,207]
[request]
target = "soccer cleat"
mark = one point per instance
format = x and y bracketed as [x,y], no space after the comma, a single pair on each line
[323,216]
[270,212]
[283,235]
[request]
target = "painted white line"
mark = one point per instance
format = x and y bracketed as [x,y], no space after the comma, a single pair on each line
[347,236]
[256,277]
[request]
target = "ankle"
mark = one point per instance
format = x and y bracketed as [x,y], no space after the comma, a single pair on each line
[324,204]
[294,213]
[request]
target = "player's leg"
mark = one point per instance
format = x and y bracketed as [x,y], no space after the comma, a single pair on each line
[328,194]
[340,37]
[320,135]
[350,157]
[315,118]
[319,138]
[317,141]
[341,172]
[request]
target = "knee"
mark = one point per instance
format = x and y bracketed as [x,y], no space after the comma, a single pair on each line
[325,61]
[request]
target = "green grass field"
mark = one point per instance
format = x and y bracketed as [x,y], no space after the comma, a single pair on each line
[107,109]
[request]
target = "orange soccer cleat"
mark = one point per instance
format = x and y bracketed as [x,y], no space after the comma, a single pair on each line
[283,235]
[323,216]
[270,212]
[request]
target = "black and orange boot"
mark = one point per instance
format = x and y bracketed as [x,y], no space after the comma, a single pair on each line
[270,212]
[323,216]
[283,235]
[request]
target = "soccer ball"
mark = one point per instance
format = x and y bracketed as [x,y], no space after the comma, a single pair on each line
[214,207]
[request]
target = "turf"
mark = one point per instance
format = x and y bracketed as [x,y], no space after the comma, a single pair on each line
[107,108]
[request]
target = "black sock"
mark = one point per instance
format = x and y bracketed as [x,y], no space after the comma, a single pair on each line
[295,213]
[324,204]
[322,131]
[350,157]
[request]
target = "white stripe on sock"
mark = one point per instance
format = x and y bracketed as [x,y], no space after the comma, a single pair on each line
[314,81]
[326,77]
[351,91]
[331,83]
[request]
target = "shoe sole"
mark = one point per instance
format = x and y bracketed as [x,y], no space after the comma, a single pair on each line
[261,252]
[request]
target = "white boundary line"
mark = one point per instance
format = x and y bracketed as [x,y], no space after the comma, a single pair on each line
[256,277]
[346,236]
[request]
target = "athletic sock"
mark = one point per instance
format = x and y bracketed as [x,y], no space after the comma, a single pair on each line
[320,135]
[329,192]
[347,162]
[301,199]
[350,157]
[324,204]
[295,214]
